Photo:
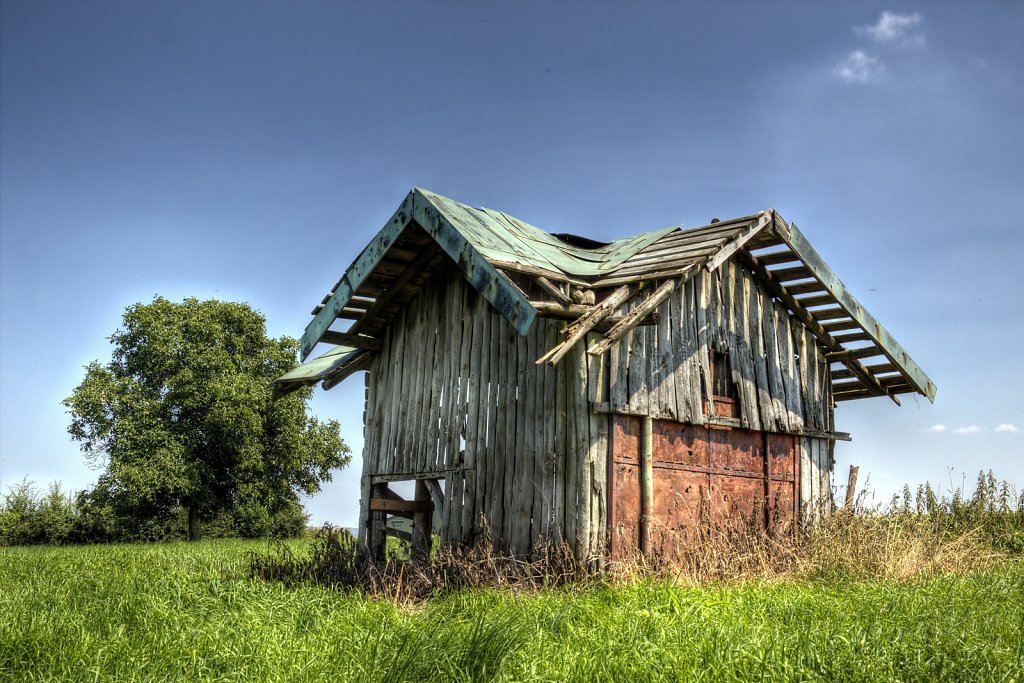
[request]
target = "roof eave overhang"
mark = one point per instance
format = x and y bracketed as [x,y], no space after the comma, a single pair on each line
[874,336]
[417,207]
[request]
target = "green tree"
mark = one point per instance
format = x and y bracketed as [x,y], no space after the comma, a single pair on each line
[182,415]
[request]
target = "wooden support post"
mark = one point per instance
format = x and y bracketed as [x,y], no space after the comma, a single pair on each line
[851,488]
[378,522]
[422,521]
[646,482]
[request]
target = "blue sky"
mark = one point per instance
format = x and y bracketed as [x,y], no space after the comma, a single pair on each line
[248,151]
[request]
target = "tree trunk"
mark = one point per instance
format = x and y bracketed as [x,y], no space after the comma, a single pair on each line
[193,523]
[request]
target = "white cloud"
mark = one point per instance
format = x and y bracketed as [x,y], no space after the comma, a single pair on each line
[858,67]
[969,429]
[892,28]
[1007,427]
[936,429]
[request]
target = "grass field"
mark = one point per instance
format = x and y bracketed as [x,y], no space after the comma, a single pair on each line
[188,612]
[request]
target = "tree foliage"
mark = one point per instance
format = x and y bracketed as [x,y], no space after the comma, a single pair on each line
[182,415]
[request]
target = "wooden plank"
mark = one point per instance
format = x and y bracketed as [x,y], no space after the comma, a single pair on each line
[561,411]
[638,386]
[356,341]
[553,291]
[578,330]
[695,394]
[392,505]
[790,371]
[764,394]
[633,318]
[534,270]
[815,300]
[550,309]
[776,257]
[677,359]
[509,443]
[702,291]
[584,498]
[739,241]
[773,362]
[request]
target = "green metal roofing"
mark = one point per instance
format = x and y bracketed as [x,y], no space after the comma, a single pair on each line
[313,371]
[501,237]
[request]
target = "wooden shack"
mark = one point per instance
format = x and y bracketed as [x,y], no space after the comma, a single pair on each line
[547,386]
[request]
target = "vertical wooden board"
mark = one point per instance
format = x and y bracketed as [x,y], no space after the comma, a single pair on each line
[412,399]
[715,310]
[677,340]
[426,412]
[639,369]
[465,361]
[399,371]
[499,354]
[437,392]
[537,427]
[694,392]
[599,484]
[764,394]
[617,370]
[452,343]
[790,370]
[583,455]
[482,459]
[509,442]
[666,363]
[702,286]
[558,475]
[774,360]
[520,515]
[824,472]
[742,357]
[571,460]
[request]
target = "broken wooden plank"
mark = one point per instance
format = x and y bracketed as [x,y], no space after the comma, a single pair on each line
[578,330]
[633,318]
[738,242]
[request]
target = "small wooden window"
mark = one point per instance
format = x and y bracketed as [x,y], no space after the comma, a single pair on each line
[723,389]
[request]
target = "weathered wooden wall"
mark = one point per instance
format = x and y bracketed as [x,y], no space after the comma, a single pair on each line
[455,394]
[780,373]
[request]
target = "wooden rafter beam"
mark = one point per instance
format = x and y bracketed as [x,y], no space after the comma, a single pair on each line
[776,289]
[737,242]
[393,290]
[633,318]
[796,241]
[553,291]
[579,329]
[549,309]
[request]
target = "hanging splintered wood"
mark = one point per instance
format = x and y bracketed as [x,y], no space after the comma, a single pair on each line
[603,290]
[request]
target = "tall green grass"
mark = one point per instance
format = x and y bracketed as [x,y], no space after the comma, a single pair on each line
[190,612]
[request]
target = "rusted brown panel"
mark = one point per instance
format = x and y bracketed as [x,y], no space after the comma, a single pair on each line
[677,504]
[737,449]
[626,438]
[736,501]
[782,450]
[624,487]
[676,442]
[703,477]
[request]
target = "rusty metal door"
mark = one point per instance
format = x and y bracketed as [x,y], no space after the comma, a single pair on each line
[703,478]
